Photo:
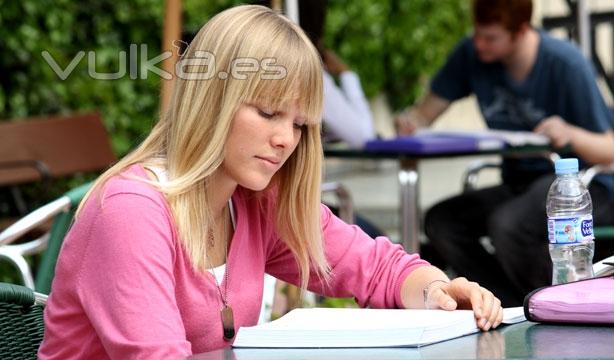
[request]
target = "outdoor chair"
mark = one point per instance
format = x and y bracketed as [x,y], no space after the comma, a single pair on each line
[41,150]
[61,212]
[46,148]
[21,321]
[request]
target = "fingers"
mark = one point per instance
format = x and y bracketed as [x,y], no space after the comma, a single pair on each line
[486,307]
[556,129]
[540,128]
[499,317]
[475,297]
[467,294]
[546,126]
[405,125]
[492,313]
[439,298]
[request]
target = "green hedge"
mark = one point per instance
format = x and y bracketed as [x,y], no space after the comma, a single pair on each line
[64,28]
[394,45]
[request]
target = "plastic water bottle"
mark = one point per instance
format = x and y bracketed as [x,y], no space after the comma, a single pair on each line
[570,225]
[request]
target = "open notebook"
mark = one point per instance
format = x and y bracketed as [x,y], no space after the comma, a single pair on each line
[604,267]
[507,137]
[349,328]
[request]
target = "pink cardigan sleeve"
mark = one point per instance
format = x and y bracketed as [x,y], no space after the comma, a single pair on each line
[371,270]
[132,306]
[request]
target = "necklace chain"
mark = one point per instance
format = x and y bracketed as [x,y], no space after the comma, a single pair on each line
[226,312]
[211,240]
[223,296]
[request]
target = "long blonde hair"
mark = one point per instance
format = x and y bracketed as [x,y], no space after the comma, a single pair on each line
[191,136]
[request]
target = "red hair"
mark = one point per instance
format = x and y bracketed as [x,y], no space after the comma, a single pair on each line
[511,14]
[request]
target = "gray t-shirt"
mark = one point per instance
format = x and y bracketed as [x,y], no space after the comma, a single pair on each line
[561,83]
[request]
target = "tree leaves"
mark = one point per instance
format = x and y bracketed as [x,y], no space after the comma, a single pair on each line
[63,28]
[395,45]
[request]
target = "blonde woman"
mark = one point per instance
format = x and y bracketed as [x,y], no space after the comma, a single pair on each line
[168,252]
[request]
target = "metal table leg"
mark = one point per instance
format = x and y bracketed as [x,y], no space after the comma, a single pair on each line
[410,217]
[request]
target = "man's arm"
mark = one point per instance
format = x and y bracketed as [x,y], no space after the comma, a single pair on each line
[592,147]
[423,114]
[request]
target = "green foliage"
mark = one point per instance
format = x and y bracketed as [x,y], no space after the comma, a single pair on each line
[9,273]
[64,28]
[396,45]
[338,303]
[197,12]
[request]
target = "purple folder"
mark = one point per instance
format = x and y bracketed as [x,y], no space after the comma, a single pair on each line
[426,144]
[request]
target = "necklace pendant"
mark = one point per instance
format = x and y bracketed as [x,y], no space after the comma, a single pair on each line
[228,323]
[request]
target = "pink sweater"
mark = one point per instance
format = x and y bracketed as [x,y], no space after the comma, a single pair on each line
[124,287]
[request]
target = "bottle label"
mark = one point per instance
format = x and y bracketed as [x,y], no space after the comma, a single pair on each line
[569,230]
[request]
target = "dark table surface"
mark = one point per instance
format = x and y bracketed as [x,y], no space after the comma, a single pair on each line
[518,151]
[518,341]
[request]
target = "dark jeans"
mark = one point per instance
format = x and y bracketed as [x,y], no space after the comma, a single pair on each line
[515,221]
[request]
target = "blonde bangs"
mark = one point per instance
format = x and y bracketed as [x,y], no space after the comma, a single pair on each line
[297,78]
[301,86]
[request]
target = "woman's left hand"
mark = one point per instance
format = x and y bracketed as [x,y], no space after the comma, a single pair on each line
[463,294]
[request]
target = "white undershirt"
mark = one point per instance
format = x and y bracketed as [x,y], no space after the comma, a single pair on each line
[219,271]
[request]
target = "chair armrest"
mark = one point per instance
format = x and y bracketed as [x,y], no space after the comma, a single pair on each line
[346,205]
[38,165]
[20,295]
[15,253]
[588,174]
[470,179]
[34,219]
[13,256]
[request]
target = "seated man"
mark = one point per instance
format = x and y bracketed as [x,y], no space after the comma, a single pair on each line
[523,80]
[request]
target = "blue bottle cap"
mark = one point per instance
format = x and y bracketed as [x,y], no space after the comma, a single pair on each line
[566,166]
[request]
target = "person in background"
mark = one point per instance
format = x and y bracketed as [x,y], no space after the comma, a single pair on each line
[168,251]
[346,113]
[523,80]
